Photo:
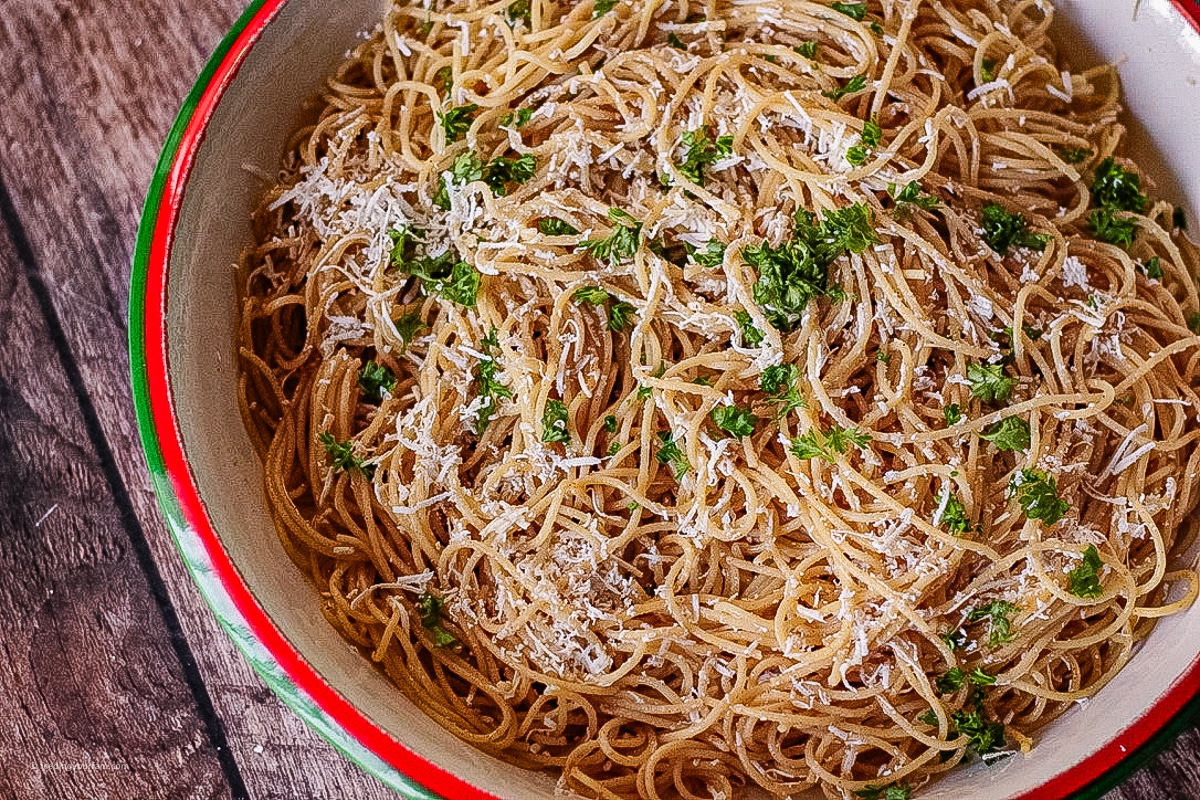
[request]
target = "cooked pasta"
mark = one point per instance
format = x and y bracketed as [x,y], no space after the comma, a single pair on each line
[691,397]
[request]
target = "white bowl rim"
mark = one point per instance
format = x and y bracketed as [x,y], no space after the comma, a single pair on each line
[276,660]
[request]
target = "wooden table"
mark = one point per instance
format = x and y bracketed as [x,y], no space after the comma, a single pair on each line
[115,680]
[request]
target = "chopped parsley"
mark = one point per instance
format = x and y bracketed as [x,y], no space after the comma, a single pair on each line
[520,118]
[734,420]
[856,155]
[621,244]
[856,11]
[798,270]
[983,736]
[669,453]
[1037,494]
[614,447]
[954,516]
[405,245]
[952,414]
[872,134]
[751,335]
[1117,188]
[408,326]
[1010,433]
[700,152]
[954,640]
[1085,579]
[893,791]
[592,295]
[989,382]
[519,11]
[341,454]
[490,389]
[449,277]
[807,49]
[1074,155]
[620,316]
[554,422]
[610,423]
[1111,229]
[855,84]
[712,256]
[1004,229]
[466,168]
[781,384]
[444,76]
[910,196]
[602,7]
[676,42]
[456,121]
[987,70]
[430,609]
[501,172]
[375,379]
[1153,269]
[620,313]
[828,444]
[997,614]
[951,681]
[553,226]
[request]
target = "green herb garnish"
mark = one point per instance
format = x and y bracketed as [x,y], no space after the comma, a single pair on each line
[1118,188]
[700,152]
[341,455]
[828,444]
[798,270]
[456,121]
[951,681]
[602,7]
[989,382]
[855,84]
[1010,433]
[807,49]
[954,516]
[500,172]
[553,226]
[669,453]
[751,335]
[466,168]
[893,791]
[1111,229]
[734,420]
[1037,494]
[1085,579]
[781,384]
[952,414]
[1153,269]
[1074,155]
[375,379]
[1004,229]
[610,423]
[490,389]
[983,736]
[712,256]
[554,422]
[519,11]
[621,244]
[676,42]
[856,11]
[909,197]
[430,609]
[997,614]
[408,326]
[987,70]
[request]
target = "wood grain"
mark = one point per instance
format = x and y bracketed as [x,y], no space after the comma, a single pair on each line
[95,695]
[95,698]
[96,88]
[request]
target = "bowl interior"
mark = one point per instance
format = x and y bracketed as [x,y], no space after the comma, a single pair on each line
[245,139]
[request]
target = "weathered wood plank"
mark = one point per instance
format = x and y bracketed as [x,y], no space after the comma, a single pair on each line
[77,146]
[96,702]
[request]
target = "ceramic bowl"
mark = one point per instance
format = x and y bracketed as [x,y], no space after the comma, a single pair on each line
[233,124]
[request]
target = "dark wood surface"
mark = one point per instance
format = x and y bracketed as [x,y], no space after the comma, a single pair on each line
[115,680]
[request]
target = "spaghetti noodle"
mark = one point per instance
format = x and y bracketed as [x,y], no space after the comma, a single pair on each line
[690,397]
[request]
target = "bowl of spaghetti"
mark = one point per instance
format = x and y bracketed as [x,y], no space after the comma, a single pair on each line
[691,400]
